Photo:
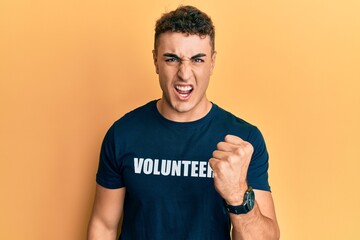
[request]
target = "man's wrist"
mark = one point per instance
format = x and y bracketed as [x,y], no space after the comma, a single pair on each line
[237,197]
[246,205]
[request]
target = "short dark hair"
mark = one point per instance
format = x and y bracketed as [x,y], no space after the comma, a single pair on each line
[185,19]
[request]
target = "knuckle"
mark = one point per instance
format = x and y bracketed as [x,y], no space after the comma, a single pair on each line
[221,166]
[249,147]
[239,151]
[212,163]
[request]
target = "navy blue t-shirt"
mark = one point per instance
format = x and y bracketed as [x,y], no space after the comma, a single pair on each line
[164,166]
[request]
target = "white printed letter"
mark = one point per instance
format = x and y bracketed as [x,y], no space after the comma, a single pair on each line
[148,166]
[138,162]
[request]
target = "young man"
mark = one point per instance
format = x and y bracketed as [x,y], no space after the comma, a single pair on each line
[181,167]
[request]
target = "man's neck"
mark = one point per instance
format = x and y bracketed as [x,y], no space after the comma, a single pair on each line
[194,114]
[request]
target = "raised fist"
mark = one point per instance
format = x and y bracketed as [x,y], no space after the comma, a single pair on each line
[230,163]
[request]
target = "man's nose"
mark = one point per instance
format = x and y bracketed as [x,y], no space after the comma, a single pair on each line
[185,71]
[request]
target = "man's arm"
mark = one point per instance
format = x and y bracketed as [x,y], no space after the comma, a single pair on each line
[259,223]
[107,211]
[230,164]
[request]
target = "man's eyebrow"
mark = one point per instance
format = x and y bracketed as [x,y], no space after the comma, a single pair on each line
[172,55]
[198,55]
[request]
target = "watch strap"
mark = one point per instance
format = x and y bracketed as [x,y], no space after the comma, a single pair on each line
[241,209]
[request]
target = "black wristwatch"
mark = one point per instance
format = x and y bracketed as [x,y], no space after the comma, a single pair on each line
[246,206]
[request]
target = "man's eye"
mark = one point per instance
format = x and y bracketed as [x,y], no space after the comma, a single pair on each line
[171,60]
[198,60]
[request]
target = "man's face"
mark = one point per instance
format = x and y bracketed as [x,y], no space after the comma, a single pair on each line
[184,64]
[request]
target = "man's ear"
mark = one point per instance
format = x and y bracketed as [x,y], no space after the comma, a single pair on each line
[155,61]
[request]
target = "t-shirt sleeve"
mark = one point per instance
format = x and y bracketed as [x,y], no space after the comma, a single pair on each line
[257,175]
[109,174]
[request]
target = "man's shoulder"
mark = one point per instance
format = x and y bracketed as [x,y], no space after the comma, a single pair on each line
[135,118]
[140,112]
[236,125]
[232,118]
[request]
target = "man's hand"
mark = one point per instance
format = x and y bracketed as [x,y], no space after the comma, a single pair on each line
[230,163]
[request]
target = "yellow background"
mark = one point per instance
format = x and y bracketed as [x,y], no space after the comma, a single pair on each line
[69,69]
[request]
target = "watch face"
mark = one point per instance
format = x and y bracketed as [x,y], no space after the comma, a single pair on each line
[250,201]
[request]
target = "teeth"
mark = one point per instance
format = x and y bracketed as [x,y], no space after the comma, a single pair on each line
[184,88]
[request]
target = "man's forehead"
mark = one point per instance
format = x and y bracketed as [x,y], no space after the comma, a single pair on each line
[175,42]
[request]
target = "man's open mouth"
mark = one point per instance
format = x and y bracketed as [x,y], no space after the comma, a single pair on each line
[184,91]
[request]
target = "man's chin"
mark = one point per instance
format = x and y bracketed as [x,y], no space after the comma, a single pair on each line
[182,107]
